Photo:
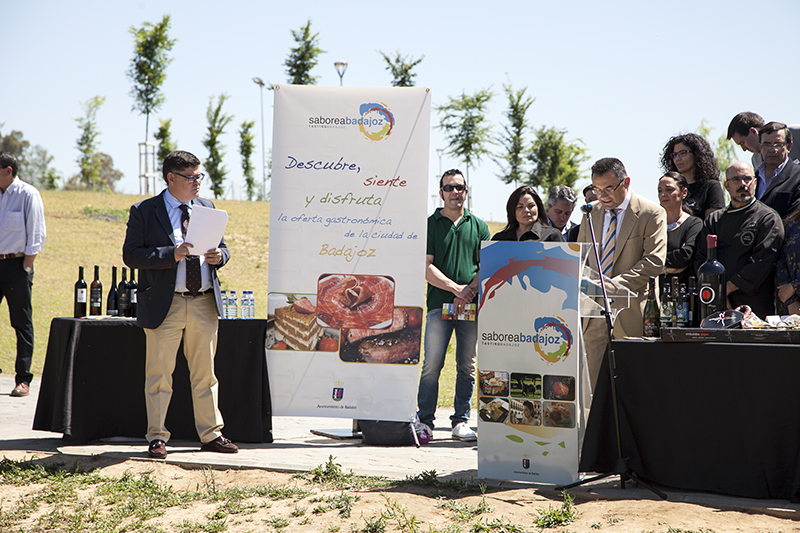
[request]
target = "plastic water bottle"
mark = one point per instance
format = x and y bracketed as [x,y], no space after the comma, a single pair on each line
[252,305]
[249,312]
[233,305]
[224,295]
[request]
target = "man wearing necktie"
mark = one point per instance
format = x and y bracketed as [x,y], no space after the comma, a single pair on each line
[632,235]
[179,299]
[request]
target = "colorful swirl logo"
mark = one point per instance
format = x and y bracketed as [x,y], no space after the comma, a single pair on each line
[376,121]
[553,340]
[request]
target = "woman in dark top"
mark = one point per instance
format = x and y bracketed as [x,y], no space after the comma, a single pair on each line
[682,228]
[691,155]
[526,219]
[787,269]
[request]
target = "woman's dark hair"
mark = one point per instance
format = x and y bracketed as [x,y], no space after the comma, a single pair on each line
[683,185]
[704,161]
[511,207]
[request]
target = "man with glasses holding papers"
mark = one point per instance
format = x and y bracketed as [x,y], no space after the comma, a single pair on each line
[631,235]
[179,299]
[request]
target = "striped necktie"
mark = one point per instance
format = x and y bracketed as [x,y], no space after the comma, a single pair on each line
[193,276]
[609,244]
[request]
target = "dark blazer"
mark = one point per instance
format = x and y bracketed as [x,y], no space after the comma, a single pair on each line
[539,232]
[149,247]
[783,192]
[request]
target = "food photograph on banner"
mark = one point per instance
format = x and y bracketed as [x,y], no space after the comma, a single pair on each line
[347,250]
[528,361]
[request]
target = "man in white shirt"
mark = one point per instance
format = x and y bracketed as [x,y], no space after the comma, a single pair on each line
[22,234]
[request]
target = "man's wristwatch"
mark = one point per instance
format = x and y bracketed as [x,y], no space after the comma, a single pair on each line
[27,268]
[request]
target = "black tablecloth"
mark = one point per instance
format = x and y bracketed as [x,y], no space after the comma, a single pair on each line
[93,382]
[703,416]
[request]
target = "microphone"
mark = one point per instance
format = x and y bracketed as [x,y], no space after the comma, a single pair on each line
[586,208]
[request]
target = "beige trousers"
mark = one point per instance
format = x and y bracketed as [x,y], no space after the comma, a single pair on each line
[195,321]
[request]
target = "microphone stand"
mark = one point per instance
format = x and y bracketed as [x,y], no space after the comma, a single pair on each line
[621,467]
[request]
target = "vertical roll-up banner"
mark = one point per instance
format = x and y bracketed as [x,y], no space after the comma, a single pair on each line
[347,250]
[528,361]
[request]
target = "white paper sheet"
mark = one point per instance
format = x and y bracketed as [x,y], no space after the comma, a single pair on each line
[206,228]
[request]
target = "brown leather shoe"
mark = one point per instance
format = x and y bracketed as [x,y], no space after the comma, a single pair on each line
[157,449]
[221,445]
[20,390]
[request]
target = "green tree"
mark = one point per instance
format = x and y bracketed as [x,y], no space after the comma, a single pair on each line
[400,67]
[724,149]
[513,137]
[148,69]
[217,121]
[38,171]
[14,143]
[554,160]
[467,131]
[304,57]
[34,161]
[89,173]
[165,143]
[107,176]
[246,148]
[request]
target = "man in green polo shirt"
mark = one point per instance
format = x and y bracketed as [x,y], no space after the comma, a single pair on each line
[453,254]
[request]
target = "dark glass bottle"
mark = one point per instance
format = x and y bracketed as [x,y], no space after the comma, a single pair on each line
[711,275]
[123,295]
[652,325]
[691,296]
[666,306]
[80,296]
[674,293]
[682,306]
[111,300]
[96,294]
[133,287]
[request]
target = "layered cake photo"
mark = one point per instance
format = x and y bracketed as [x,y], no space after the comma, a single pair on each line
[292,325]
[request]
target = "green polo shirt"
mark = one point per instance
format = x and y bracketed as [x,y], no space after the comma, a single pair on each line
[456,251]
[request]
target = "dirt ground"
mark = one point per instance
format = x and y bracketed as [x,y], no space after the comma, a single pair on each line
[412,507]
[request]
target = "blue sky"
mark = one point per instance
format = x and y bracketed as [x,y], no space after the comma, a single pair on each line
[622,76]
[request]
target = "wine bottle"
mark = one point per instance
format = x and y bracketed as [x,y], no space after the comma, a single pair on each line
[691,296]
[111,300]
[96,294]
[133,287]
[674,294]
[682,307]
[666,306]
[123,294]
[80,295]
[711,274]
[651,314]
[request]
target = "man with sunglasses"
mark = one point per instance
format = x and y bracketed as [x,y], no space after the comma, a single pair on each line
[749,239]
[179,299]
[631,234]
[452,260]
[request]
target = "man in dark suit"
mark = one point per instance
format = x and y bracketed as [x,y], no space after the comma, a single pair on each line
[179,299]
[778,176]
[631,234]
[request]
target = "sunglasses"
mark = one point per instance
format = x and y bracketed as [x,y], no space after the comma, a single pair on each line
[449,188]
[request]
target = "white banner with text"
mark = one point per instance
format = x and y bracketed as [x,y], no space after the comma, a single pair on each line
[528,361]
[347,250]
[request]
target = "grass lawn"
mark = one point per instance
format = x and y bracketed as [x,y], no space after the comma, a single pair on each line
[88,228]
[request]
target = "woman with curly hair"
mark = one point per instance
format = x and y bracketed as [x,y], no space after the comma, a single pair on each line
[526,219]
[691,155]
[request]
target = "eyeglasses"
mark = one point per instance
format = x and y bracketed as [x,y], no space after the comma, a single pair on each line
[770,146]
[192,179]
[608,191]
[680,155]
[743,179]
[449,188]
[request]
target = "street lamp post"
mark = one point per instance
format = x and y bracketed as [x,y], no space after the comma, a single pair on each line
[341,67]
[440,151]
[260,83]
